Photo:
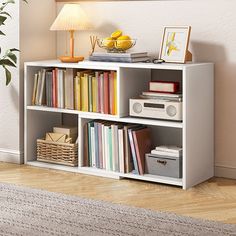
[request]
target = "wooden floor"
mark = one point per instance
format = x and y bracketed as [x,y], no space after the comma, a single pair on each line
[213,200]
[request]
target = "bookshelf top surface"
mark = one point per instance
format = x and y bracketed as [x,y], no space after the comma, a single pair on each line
[112,65]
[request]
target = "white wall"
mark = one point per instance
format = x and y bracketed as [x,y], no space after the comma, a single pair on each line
[212,39]
[9,96]
[28,30]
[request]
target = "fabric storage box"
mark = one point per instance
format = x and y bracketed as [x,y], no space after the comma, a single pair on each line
[163,165]
[58,153]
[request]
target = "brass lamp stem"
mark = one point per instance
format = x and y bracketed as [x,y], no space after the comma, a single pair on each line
[72,43]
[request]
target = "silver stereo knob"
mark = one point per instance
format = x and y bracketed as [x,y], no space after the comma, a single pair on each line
[137,107]
[171,110]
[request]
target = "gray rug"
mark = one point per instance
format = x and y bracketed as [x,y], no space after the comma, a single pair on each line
[25,211]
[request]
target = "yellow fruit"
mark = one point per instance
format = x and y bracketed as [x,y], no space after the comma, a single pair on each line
[123,42]
[116,34]
[108,42]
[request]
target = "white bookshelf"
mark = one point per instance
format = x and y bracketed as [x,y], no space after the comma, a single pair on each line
[195,133]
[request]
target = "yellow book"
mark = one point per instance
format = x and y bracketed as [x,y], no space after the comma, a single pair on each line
[115,92]
[77,93]
[84,93]
[83,90]
[94,93]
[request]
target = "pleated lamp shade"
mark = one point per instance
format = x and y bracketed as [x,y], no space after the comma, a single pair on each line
[71,17]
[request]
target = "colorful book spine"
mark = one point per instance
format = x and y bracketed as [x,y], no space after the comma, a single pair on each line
[131,141]
[90,98]
[96,137]
[121,150]
[101,91]
[94,94]
[93,146]
[115,94]
[106,92]
[110,149]
[97,76]
[111,93]
[84,93]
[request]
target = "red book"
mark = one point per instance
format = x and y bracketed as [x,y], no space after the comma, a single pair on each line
[163,87]
[143,145]
[106,92]
[111,94]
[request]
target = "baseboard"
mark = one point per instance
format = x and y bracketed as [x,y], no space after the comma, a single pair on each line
[225,172]
[11,156]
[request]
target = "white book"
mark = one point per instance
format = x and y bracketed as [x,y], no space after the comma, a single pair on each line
[42,86]
[115,150]
[38,88]
[92,132]
[170,95]
[167,154]
[172,149]
[69,89]
[35,89]
[121,150]
[122,55]
[106,138]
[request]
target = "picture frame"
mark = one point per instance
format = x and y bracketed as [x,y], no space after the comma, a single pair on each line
[174,45]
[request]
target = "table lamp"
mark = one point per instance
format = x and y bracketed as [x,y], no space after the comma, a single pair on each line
[71,18]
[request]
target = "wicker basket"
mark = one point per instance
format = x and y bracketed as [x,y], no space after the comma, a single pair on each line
[59,153]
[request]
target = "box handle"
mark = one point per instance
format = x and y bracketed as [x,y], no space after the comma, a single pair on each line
[162,162]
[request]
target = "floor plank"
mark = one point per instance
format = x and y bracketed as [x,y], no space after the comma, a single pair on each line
[213,200]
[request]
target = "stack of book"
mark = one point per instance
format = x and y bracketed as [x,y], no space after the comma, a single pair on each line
[117,146]
[168,151]
[120,57]
[163,91]
[84,90]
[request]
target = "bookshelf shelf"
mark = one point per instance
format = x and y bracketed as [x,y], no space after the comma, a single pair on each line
[91,115]
[195,133]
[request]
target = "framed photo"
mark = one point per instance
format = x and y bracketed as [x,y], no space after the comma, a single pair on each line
[174,46]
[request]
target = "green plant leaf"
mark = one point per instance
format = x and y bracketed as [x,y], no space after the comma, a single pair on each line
[1,33]
[2,19]
[5,13]
[8,76]
[7,62]
[14,50]
[12,56]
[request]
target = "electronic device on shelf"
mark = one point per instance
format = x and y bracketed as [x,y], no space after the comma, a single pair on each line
[156,109]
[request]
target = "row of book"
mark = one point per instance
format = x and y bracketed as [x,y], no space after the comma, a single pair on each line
[83,90]
[117,146]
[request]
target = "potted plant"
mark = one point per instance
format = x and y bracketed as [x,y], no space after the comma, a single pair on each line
[9,58]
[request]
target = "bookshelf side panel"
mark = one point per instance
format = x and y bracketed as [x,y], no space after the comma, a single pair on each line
[198,130]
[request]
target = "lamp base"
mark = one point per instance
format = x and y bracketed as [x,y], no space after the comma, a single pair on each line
[67,59]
